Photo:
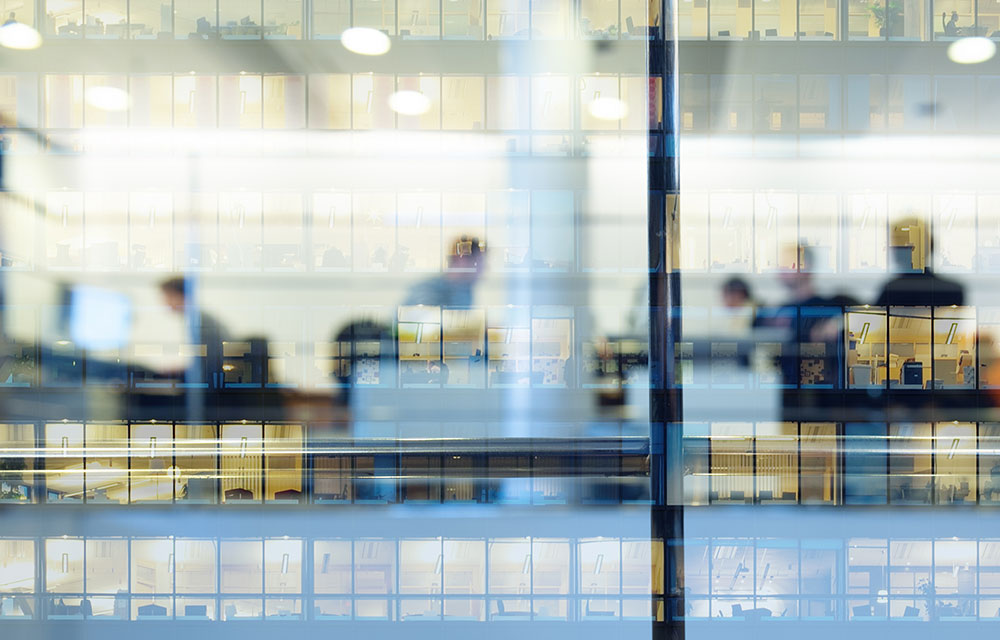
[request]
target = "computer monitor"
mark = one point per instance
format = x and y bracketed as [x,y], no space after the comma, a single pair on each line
[99,318]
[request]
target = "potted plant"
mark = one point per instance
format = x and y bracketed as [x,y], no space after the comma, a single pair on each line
[888,16]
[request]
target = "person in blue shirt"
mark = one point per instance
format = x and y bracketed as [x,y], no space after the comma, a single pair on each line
[455,287]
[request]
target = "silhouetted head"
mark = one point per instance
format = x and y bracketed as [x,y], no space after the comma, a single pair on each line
[735,293]
[174,292]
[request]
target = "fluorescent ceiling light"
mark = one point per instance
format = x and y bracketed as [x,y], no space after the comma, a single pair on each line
[19,36]
[608,109]
[971,50]
[365,41]
[409,103]
[107,98]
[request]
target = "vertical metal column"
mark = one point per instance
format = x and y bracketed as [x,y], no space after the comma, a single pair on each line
[664,325]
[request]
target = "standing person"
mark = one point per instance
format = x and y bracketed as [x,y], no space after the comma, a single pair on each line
[202,329]
[922,289]
[810,328]
[455,287]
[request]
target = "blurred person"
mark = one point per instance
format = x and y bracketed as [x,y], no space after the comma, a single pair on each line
[202,329]
[812,344]
[455,287]
[921,289]
[738,303]
[368,349]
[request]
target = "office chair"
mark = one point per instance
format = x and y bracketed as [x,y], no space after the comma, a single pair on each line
[771,32]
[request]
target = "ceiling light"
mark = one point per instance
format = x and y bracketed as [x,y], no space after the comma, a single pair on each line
[409,103]
[365,41]
[608,109]
[971,50]
[17,35]
[107,98]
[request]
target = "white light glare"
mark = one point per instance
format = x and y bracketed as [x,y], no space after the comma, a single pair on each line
[107,98]
[367,42]
[17,35]
[409,103]
[971,50]
[608,109]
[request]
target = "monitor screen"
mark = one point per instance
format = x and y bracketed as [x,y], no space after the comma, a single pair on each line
[99,318]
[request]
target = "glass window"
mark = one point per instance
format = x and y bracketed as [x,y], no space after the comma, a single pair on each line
[819,19]
[196,460]
[732,102]
[420,563]
[148,20]
[462,20]
[106,19]
[909,347]
[241,566]
[374,573]
[283,566]
[865,463]
[64,565]
[732,473]
[819,103]
[989,464]
[911,478]
[376,14]
[194,100]
[64,465]
[507,19]
[692,19]
[867,107]
[909,579]
[107,565]
[819,473]
[195,565]
[23,12]
[867,578]
[955,463]
[550,19]
[17,475]
[330,101]
[775,20]
[152,566]
[282,19]
[240,19]
[107,463]
[954,233]
[330,18]
[599,19]
[731,19]
[776,472]
[152,467]
[955,347]
[195,20]
[284,447]
[64,18]
[419,18]
[332,570]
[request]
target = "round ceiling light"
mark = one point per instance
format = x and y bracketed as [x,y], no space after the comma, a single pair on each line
[971,50]
[409,103]
[19,36]
[608,109]
[365,41]
[107,98]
